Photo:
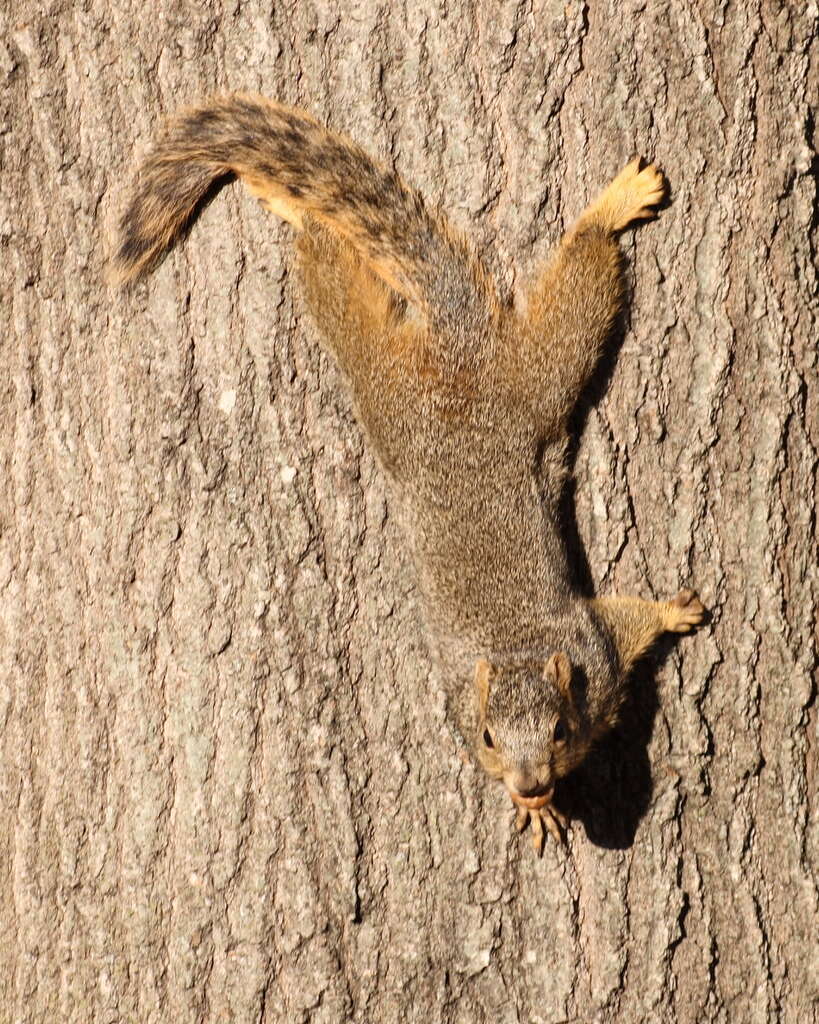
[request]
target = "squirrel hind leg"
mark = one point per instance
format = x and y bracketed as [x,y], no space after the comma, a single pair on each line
[352,307]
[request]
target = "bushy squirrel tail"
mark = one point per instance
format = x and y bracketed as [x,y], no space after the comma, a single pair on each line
[296,167]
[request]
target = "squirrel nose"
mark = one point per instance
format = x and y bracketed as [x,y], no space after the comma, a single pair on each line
[524,783]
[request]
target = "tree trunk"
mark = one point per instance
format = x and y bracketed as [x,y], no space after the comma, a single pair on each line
[229,792]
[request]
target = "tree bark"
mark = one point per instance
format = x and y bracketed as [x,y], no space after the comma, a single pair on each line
[229,792]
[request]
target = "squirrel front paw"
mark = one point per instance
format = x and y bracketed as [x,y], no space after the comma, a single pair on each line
[683,612]
[546,815]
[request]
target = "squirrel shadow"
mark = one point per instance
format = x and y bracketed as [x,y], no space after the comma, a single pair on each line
[595,389]
[611,791]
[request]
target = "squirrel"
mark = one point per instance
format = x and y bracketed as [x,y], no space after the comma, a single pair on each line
[466,402]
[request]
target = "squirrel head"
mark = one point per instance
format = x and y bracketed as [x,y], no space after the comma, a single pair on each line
[529,731]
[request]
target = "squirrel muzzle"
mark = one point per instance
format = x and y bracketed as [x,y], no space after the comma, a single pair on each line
[528,790]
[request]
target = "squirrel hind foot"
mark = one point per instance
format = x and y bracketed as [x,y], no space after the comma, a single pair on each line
[633,195]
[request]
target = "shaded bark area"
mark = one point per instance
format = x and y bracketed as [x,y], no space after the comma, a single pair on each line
[229,792]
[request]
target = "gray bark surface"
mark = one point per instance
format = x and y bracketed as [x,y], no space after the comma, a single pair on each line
[227,788]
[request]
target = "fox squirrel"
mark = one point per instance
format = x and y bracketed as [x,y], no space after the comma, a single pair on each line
[466,403]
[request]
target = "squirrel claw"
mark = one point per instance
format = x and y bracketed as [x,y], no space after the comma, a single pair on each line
[549,817]
[542,818]
[554,820]
[537,832]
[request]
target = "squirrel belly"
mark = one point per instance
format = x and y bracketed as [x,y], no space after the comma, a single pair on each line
[465,401]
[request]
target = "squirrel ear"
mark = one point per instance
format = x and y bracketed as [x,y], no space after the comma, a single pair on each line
[484,674]
[558,672]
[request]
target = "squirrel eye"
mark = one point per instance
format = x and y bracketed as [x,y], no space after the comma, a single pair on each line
[488,739]
[560,731]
